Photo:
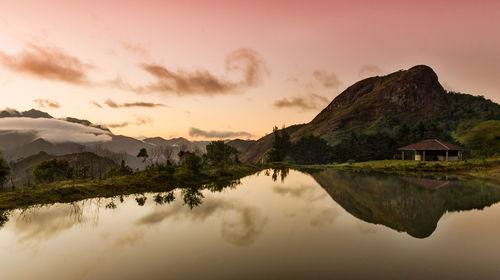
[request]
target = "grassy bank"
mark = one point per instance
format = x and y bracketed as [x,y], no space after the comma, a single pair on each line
[485,169]
[153,180]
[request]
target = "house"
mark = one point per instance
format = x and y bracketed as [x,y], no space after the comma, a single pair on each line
[433,149]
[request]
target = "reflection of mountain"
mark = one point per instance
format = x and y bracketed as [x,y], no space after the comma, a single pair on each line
[402,204]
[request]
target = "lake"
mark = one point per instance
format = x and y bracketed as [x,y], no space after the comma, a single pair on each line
[277,224]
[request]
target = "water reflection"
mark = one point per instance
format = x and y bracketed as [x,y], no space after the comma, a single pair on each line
[276,173]
[407,204]
[412,205]
[287,224]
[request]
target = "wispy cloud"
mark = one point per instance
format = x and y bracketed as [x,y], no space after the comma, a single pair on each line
[136,48]
[306,102]
[196,132]
[115,105]
[45,103]
[328,80]
[249,63]
[96,104]
[48,63]
[246,62]
[139,120]
[369,70]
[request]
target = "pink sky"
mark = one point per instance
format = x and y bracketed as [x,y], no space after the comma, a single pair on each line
[288,52]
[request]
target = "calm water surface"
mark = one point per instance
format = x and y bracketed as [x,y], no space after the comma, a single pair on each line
[326,225]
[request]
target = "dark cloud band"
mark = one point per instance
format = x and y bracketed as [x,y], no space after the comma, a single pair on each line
[196,132]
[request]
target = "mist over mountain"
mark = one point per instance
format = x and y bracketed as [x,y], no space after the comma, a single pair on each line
[27,133]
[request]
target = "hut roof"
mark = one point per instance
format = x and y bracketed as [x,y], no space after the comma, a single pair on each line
[431,145]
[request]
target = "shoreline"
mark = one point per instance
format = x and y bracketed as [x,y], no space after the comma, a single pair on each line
[487,170]
[483,169]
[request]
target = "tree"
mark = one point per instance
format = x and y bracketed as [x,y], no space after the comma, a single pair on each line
[311,150]
[281,145]
[221,154]
[123,170]
[53,170]
[191,162]
[483,139]
[4,171]
[363,147]
[143,153]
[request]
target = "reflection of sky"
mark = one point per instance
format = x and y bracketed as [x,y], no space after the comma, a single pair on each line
[259,229]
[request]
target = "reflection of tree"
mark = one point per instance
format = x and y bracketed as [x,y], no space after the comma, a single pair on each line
[403,204]
[281,172]
[4,218]
[167,198]
[141,200]
[111,205]
[219,186]
[192,197]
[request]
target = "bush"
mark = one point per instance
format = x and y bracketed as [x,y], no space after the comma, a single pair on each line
[121,171]
[53,170]
[192,163]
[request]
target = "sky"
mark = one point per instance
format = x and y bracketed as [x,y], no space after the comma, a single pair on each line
[227,68]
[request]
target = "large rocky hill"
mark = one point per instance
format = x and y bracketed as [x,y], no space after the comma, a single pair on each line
[383,103]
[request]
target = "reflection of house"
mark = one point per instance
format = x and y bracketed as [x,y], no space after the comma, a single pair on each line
[433,149]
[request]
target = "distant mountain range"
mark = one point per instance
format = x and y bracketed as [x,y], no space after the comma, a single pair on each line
[384,103]
[18,143]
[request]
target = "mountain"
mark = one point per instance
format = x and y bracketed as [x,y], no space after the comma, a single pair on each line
[12,139]
[39,145]
[10,113]
[85,123]
[180,143]
[22,170]
[384,104]
[405,95]
[240,144]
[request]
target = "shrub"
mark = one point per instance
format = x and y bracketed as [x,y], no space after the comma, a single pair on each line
[53,170]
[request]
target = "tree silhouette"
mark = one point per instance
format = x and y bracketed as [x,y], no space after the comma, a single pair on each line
[143,153]
[311,150]
[4,171]
[281,145]
[221,154]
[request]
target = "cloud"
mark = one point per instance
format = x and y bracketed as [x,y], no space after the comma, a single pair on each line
[327,80]
[137,49]
[195,132]
[139,120]
[244,61]
[43,223]
[115,105]
[47,63]
[240,224]
[56,131]
[307,102]
[248,62]
[45,103]
[369,70]
[96,104]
